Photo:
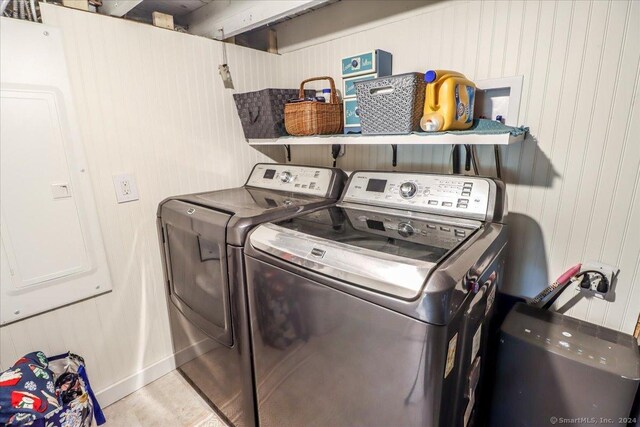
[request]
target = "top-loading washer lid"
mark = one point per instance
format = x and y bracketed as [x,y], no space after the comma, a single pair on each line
[379,250]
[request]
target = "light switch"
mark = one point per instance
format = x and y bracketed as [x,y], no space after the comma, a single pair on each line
[126,188]
[60,191]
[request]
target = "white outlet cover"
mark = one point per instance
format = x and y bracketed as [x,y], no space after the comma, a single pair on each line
[610,271]
[126,187]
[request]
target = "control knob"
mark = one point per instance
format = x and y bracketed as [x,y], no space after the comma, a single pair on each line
[408,190]
[405,229]
[286,177]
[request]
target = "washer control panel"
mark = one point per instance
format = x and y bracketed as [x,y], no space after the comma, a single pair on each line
[463,196]
[297,179]
[421,231]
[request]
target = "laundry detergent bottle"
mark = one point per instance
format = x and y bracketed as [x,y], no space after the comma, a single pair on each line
[448,103]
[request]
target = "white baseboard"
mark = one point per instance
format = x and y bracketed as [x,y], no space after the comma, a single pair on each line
[149,374]
[128,385]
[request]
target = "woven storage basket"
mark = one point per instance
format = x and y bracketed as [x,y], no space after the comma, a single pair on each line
[313,117]
[391,105]
[262,112]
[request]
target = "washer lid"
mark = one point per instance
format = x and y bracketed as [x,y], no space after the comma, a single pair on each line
[380,250]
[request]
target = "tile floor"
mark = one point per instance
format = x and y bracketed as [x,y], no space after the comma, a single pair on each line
[169,401]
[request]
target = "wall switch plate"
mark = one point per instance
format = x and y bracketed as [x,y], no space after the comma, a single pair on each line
[126,187]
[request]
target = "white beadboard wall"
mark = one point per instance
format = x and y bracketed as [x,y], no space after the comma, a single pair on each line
[149,102]
[573,187]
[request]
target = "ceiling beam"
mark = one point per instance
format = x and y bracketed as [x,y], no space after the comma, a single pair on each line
[238,16]
[117,7]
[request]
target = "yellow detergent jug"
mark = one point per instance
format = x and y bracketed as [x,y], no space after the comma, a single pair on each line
[448,102]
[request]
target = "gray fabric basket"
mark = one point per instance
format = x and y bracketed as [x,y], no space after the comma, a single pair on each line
[262,112]
[391,105]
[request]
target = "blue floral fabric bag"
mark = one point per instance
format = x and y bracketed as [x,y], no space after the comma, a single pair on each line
[48,392]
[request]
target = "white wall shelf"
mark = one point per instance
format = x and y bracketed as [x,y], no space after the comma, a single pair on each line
[456,139]
[410,139]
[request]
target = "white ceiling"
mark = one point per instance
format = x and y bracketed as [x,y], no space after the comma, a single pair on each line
[141,10]
[171,7]
[206,17]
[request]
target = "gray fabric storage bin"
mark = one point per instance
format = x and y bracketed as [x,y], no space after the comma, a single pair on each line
[262,112]
[391,105]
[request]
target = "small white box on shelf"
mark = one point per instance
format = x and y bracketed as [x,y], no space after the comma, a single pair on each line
[163,20]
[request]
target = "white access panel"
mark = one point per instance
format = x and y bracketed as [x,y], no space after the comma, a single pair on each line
[51,250]
[41,230]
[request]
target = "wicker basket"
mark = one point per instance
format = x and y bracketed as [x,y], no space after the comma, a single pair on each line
[313,117]
[391,105]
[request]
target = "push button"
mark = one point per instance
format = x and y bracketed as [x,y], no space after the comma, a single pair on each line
[433,202]
[447,204]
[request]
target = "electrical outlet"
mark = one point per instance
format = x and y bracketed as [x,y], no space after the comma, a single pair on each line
[340,153]
[610,272]
[126,188]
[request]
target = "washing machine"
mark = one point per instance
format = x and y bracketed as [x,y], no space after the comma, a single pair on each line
[201,238]
[376,311]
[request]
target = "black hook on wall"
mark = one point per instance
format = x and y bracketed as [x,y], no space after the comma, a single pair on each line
[335,152]
[287,148]
[394,160]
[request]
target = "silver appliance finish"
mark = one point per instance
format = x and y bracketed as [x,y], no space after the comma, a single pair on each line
[458,196]
[389,273]
[372,312]
[202,237]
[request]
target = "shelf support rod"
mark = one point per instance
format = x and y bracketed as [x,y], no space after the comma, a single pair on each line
[496,154]
[394,160]
[455,159]
[287,148]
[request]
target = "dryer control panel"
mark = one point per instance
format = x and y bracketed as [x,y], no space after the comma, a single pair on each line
[460,196]
[298,179]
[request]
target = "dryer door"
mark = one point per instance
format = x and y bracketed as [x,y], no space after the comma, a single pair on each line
[196,265]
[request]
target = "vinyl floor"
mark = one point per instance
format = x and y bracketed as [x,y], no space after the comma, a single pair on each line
[169,401]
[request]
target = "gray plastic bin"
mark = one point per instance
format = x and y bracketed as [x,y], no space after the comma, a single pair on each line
[391,105]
